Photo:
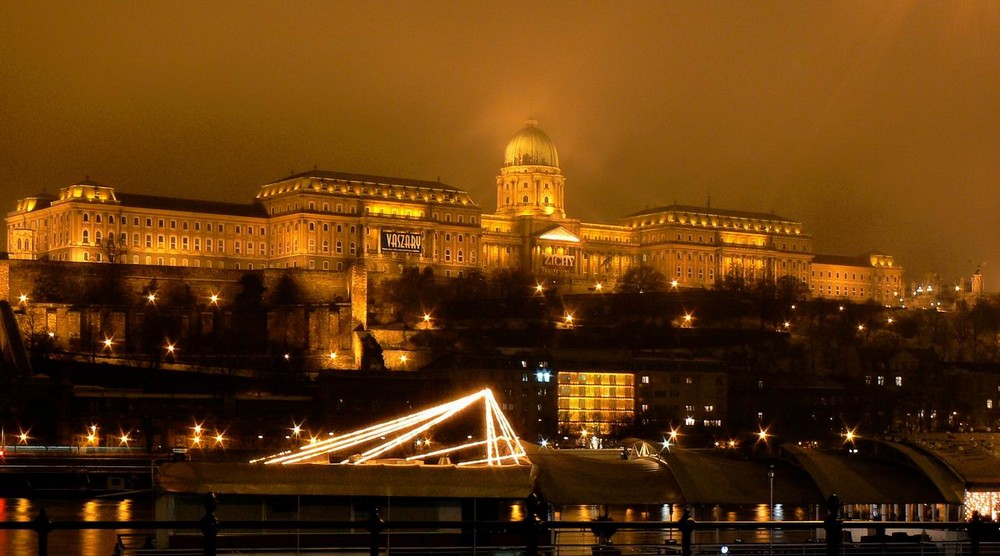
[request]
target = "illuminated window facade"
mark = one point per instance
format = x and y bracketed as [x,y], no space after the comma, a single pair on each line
[322,219]
[595,402]
[872,277]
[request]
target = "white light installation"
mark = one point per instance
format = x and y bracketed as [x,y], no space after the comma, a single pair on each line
[500,443]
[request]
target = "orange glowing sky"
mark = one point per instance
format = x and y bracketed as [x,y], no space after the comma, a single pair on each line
[875,123]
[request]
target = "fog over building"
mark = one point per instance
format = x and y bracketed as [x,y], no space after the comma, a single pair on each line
[324,220]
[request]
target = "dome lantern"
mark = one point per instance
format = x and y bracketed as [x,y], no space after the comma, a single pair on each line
[531,147]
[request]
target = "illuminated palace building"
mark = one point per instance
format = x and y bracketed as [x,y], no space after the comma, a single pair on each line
[330,220]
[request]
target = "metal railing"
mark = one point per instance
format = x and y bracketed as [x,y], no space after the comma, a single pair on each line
[535,536]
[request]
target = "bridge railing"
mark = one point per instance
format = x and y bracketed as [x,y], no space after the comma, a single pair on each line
[534,536]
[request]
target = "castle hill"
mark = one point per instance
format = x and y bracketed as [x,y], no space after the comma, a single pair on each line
[333,299]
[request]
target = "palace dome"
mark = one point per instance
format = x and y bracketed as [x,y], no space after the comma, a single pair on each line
[531,147]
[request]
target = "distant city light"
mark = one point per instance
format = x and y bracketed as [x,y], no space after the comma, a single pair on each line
[214,299]
[598,287]
[170,347]
[333,355]
[861,327]
[108,342]
[287,357]
[889,320]
[539,288]
[762,435]
[673,284]
[427,317]
[23,298]
[23,437]
[151,298]
[124,439]
[569,318]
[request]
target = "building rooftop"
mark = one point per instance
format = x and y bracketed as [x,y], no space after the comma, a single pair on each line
[842,260]
[365,178]
[713,212]
[191,205]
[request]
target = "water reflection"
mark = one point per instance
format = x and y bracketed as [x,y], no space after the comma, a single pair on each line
[68,543]
[91,538]
[579,541]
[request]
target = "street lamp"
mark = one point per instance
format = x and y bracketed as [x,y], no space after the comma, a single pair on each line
[770,508]
[770,503]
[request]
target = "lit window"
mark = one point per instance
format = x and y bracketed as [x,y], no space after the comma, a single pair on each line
[899,381]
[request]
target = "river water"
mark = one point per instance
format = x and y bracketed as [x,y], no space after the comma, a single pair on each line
[69,543]
[102,543]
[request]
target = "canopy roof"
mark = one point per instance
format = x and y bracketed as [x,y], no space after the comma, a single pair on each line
[974,457]
[861,479]
[601,477]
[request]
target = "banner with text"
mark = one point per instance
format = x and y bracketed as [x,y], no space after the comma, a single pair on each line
[402,242]
[559,261]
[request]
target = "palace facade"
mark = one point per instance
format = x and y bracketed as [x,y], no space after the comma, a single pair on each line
[331,220]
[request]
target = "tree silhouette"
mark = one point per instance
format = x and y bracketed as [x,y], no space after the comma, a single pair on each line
[642,279]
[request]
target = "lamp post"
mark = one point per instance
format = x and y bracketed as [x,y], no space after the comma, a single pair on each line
[770,504]
[770,508]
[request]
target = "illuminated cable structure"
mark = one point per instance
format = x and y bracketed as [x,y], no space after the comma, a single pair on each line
[502,447]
